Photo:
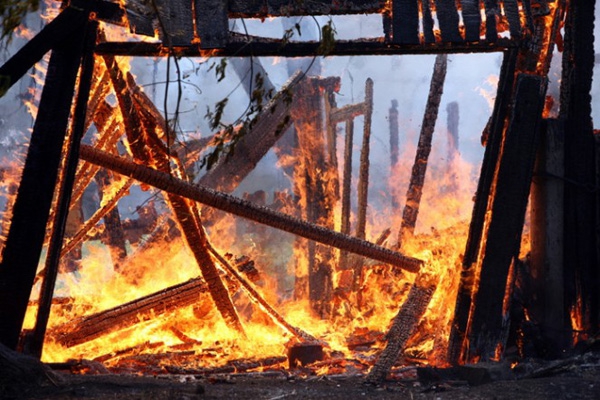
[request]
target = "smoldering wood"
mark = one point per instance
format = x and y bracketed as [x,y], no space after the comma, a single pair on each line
[149,148]
[242,208]
[417,179]
[547,234]
[487,327]
[267,128]
[462,308]
[448,19]
[212,24]
[233,366]
[260,47]
[472,18]
[400,331]
[87,328]
[405,22]
[25,238]
[427,22]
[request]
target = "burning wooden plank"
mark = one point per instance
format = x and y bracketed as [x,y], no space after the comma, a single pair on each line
[90,327]
[417,179]
[245,209]
[402,328]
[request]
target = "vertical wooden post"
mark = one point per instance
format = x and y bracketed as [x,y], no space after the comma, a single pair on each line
[419,169]
[65,190]
[582,273]
[394,143]
[32,206]
[547,241]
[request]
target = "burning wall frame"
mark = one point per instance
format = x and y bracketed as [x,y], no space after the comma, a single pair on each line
[512,140]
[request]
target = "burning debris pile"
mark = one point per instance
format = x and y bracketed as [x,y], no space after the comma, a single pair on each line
[340,296]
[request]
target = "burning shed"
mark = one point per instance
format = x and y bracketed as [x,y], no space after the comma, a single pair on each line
[346,294]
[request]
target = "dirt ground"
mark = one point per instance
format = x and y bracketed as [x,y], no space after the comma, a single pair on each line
[562,380]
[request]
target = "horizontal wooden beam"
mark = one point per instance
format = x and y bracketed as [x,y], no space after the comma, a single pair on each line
[275,48]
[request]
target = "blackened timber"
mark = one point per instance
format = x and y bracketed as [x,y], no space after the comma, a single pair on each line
[90,327]
[511,9]
[24,242]
[547,235]
[346,188]
[492,14]
[448,19]
[488,327]
[57,31]
[405,21]
[403,326]
[266,129]
[582,277]
[273,8]
[65,188]
[175,22]
[472,18]
[394,140]
[272,48]
[493,141]
[363,178]
[417,179]
[245,209]
[427,22]
[212,24]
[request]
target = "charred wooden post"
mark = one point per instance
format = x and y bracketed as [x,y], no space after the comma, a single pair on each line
[346,188]
[547,236]
[488,330]
[493,138]
[402,328]
[244,209]
[317,174]
[30,213]
[64,190]
[582,277]
[417,179]
[363,176]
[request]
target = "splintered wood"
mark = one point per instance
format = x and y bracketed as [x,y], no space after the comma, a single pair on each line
[402,328]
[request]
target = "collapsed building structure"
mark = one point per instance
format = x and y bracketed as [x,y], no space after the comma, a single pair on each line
[563,270]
